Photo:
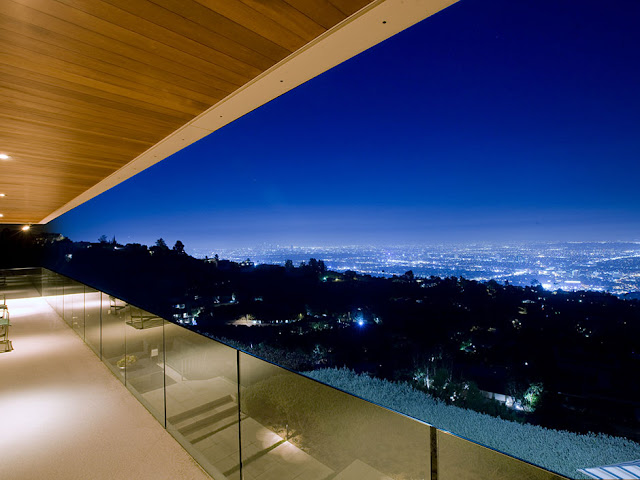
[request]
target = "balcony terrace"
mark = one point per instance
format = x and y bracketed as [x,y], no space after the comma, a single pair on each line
[65,415]
[96,92]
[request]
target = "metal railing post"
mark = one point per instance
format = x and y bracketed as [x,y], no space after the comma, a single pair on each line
[434,452]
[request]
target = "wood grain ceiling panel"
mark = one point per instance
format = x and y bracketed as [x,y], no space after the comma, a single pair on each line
[87,86]
[282,13]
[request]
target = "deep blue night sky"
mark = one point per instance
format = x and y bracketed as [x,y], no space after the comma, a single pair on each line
[501,120]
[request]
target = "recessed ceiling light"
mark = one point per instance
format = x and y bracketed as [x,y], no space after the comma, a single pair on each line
[4,156]
[1,215]
[26,227]
[2,195]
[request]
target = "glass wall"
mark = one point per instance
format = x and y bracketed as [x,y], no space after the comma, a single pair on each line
[243,418]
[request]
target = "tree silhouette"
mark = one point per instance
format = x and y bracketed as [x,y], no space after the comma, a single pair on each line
[179,247]
[103,239]
[161,244]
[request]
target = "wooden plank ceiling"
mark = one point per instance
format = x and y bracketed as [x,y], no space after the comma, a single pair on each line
[88,85]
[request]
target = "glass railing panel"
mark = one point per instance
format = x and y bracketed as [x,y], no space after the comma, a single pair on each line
[294,427]
[54,291]
[73,307]
[201,400]
[35,276]
[460,459]
[92,328]
[46,286]
[77,305]
[144,359]
[67,300]
[113,334]
[20,283]
[51,288]
[59,288]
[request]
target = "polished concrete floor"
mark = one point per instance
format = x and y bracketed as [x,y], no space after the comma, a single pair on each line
[63,415]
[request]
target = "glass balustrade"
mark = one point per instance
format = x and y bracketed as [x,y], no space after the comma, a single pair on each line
[144,359]
[202,399]
[92,325]
[113,335]
[241,417]
[290,423]
[460,459]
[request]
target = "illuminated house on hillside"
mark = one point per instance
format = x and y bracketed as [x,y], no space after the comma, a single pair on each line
[95,92]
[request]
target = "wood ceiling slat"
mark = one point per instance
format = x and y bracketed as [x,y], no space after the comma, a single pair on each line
[49,170]
[167,59]
[320,11]
[37,93]
[242,14]
[31,198]
[76,91]
[53,158]
[43,153]
[211,39]
[74,183]
[35,199]
[38,124]
[349,7]
[67,160]
[184,77]
[72,186]
[290,18]
[40,113]
[54,122]
[132,29]
[211,21]
[58,71]
[36,167]
[68,142]
[155,41]
[27,205]
[90,66]
[83,177]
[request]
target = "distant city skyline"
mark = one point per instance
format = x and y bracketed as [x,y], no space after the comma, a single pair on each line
[596,266]
[500,121]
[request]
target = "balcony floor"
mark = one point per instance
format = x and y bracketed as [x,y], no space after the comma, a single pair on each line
[63,415]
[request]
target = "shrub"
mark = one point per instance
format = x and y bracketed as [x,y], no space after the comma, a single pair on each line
[556,450]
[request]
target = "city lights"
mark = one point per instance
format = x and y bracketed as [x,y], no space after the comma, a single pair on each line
[567,266]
